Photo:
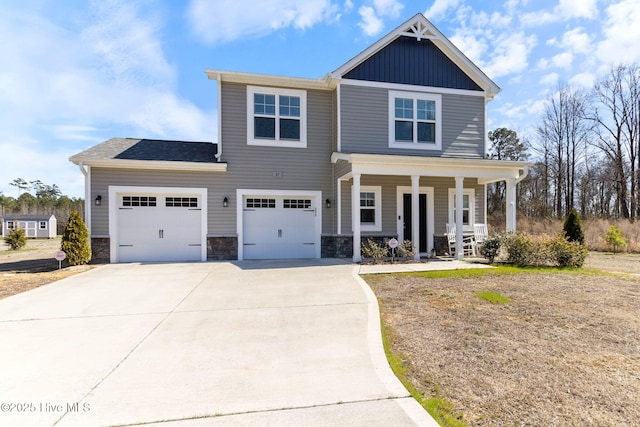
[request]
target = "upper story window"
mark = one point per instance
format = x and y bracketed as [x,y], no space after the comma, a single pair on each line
[415,120]
[276,117]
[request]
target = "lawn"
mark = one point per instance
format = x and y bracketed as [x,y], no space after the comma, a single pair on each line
[539,347]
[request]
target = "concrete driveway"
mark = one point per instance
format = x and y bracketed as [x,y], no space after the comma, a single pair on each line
[282,343]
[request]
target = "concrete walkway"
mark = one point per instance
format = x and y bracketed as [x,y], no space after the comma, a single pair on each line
[432,265]
[282,343]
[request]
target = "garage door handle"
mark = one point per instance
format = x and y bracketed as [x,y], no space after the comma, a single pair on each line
[125,246]
[161,234]
[279,233]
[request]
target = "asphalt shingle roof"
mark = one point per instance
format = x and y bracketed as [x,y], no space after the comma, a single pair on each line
[26,217]
[152,149]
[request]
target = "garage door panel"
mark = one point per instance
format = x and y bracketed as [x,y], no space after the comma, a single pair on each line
[164,230]
[279,227]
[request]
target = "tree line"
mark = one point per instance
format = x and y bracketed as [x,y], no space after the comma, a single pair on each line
[585,150]
[36,197]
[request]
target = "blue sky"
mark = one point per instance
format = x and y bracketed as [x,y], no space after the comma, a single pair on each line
[76,73]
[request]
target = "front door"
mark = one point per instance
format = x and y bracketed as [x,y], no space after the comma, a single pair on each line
[408,220]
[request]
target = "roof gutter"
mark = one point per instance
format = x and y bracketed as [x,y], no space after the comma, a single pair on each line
[87,195]
[523,175]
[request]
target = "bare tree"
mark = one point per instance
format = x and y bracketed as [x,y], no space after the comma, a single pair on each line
[617,116]
[564,131]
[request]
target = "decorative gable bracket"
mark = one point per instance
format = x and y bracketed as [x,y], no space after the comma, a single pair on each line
[419,30]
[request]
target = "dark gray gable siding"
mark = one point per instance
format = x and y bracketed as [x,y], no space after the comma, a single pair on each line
[409,61]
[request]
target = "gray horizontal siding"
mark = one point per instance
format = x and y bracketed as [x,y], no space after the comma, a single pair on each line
[275,168]
[389,201]
[365,124]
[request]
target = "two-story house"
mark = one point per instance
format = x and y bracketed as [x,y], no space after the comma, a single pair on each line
[390,144]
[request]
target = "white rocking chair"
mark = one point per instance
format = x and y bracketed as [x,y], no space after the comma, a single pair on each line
[468,243]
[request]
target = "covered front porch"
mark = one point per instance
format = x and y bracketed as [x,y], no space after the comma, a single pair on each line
[413,198]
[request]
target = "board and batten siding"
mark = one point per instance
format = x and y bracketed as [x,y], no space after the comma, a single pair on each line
[365,124]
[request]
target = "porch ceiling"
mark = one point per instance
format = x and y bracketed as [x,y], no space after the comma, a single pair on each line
[382,164]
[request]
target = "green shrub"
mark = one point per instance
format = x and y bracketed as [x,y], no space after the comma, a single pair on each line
[521,250]
[16,239]
[573,227]
[75,241]
[491,248]
[615,240]
[565,253]
[370,249]
[406,249]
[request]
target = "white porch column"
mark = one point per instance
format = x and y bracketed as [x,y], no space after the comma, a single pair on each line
[355,218]
[338,203]
[459,225]
[415,214]
[511,205]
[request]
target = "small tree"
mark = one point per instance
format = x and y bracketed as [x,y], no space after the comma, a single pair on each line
[16,239]
[75,240]
[615,239]
[573,227]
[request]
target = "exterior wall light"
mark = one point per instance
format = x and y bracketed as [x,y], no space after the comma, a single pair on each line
[225,202]
[98,200]
[327,203]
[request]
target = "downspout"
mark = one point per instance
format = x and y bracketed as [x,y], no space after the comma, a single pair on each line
[219,150]
[87,196]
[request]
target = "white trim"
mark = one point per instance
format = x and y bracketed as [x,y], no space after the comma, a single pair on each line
[339,119]
[339,205]
[115,190]
[241,193]
[412,88]
[383,164]
[326,83]
[471,192]
[277,142]
[377,190]
[414,96]
[151,164]
[219,151]
[429,192]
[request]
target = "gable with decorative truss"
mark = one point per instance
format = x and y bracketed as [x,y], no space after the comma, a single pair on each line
[417,53]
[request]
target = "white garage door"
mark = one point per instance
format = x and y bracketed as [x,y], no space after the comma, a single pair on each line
[280,227]
[159,227]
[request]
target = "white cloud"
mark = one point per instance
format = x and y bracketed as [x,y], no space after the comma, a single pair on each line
[390,8]
[348,6]
[550,79]
[370,23]
[622,32]
[69,87]
[439,8]
[565,10]
[562,60]
[577,41]
[583,80]
[510,54]
[226,20]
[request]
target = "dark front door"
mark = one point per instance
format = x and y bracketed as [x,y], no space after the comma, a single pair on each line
[406,214]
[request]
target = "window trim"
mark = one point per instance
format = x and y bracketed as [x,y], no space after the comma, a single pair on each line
[277,92]
[415,96]
[377,190]
[471,192]
[11,225]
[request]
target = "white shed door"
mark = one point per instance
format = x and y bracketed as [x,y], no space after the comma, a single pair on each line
[153,227]
[280,227]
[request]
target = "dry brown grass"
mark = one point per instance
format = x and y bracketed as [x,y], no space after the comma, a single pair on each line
[565,351]
[595,230]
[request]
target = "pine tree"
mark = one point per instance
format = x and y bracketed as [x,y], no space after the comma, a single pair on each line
[75,240]
[573,227]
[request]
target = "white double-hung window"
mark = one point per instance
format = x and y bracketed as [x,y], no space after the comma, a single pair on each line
[415,120]
[468,208]
[276,117]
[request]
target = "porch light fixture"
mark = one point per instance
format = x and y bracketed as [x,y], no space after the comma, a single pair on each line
[98,200]
[327,203]
[225,202]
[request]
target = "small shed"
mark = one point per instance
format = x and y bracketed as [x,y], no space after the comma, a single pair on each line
[34,226]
